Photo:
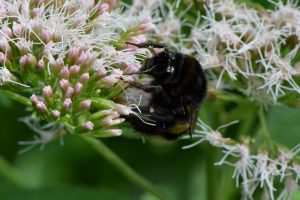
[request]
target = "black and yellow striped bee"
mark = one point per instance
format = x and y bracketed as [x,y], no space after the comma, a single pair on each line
[178,88]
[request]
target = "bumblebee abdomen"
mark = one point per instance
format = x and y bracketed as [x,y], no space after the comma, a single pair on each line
[179,128]
[191,85]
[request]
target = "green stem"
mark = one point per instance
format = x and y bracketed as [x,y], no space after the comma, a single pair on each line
[19,98]
[117,162]
[264,128]
[264,133]
[11,174]
[248,124]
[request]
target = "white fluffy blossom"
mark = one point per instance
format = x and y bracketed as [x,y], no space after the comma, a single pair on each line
[253,171]
[234,42]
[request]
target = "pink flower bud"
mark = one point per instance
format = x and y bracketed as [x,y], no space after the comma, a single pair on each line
[89,126]
[47,92]
[69,92]
[74,52]
[103,8]
[86,58]
[64,73]
[82,58]
[64,84]
[78,87]
[107,121]
[74,70]
[85,104]
[57,65]
[101,72]
[23,61]
[123,110]
[67,103]
[34,99]
[116,132]
[41,64]
[41,106]
[47,36]
[84,78]
[31,60]
[17,29]
[55,113]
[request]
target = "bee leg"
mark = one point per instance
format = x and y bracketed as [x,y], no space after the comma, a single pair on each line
[146,88]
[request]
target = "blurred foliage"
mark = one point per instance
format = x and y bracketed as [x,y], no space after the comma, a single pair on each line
[75,171]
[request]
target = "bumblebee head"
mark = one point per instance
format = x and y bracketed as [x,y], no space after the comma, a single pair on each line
[160,66]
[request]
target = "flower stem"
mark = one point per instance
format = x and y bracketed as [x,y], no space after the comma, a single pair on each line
[116,161]
[19,98]
[264,133]
[263,123]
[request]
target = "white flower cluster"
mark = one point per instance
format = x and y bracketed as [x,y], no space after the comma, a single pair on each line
[256,47]
[72,54]
[254,171]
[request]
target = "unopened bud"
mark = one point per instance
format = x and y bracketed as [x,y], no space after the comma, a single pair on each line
[67,103]
[85,104]
[64,73]
[78,88]
[64,84]
[74,70]
[47,92]
[84,78]
[89,126]
[69,92]
[55,113]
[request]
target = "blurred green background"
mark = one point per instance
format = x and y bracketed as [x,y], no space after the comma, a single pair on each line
[75,171]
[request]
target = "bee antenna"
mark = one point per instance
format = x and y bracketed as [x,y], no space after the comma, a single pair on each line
[143,45]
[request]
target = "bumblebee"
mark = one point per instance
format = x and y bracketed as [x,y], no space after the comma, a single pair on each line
[177,90]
